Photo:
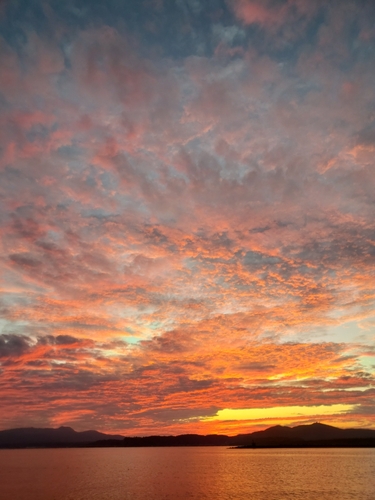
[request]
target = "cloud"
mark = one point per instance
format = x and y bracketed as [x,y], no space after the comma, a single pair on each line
[254,12]
[13,345]
[185,228]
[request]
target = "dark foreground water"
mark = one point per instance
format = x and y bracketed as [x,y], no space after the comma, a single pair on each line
[187,473]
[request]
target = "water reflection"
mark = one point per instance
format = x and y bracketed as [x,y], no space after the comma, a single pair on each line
[187,473]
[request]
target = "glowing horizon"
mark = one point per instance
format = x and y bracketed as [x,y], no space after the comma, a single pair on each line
[280,412]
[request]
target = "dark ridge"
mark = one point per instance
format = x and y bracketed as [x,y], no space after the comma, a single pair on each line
[63,436]
[301,436]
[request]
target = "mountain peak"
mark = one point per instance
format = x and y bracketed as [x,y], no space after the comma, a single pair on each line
[320,425]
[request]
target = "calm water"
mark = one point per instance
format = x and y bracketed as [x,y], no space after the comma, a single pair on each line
[187,473]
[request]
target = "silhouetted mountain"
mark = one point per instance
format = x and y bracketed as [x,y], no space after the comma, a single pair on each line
[315,435]
[182,440]
[31,436]
[319,431]
[308,435]
[278,436]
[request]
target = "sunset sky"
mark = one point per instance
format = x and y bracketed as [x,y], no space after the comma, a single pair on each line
[187,214]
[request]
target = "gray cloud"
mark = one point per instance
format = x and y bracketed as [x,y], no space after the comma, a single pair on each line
[13,345]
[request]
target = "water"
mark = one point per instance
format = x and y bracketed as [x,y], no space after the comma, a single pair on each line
[187,473]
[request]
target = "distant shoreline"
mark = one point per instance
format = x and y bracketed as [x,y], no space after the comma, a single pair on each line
[312,445]
[304,436]
[345,443]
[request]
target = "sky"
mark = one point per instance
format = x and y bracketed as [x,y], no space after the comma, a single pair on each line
[187,214]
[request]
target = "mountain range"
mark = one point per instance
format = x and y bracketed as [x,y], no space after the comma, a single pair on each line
[63,436]
[314,435]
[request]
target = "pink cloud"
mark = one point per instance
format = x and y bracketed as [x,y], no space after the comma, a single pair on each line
[254,12]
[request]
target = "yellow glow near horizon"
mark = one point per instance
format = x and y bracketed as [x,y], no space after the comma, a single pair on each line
[279,412]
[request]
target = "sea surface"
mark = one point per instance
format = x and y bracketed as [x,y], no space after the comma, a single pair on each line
[214,473]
